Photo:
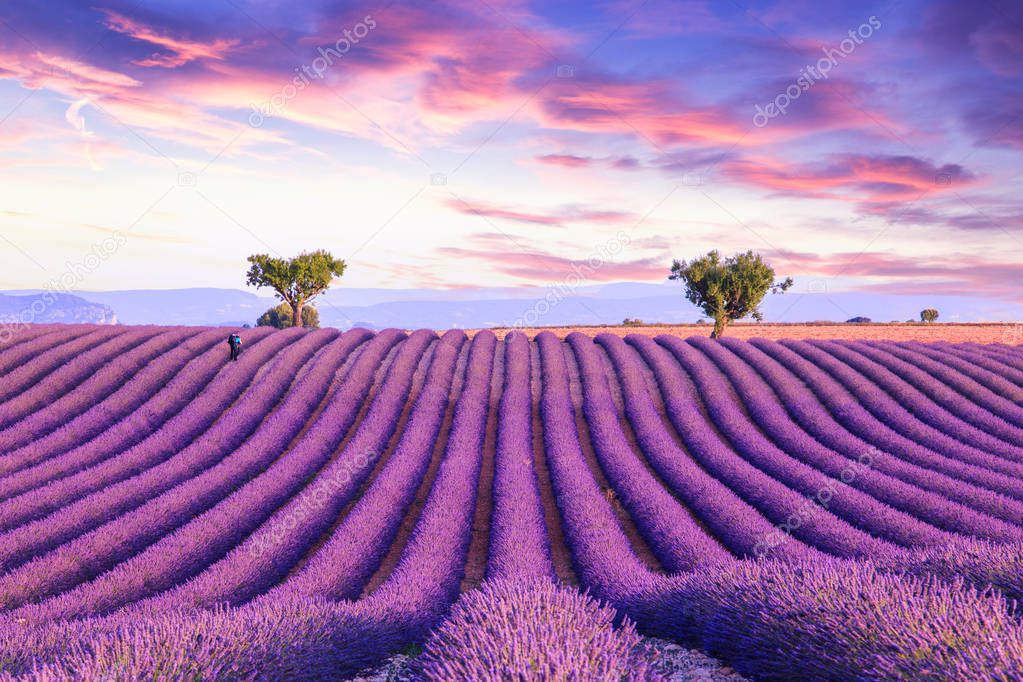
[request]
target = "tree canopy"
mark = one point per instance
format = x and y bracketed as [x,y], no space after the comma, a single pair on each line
[928,315]
[297,280]
[728,289]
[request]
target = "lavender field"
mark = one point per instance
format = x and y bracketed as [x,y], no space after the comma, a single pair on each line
[804,510]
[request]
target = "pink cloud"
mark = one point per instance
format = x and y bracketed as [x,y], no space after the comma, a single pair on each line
[538,266]
[568,214]
[180,51]
[961,275]
[578,161]
[852,177]
[63,74]
[647,109]
[567,160]
[997,216]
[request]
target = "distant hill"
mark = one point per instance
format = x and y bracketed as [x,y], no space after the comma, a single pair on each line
[213,307]
[577,310]
[611,305]
[503,306]
[42,308]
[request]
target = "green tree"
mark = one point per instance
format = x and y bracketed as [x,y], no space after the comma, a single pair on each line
[297,280]
[728,289]
[928,315]
[282,317]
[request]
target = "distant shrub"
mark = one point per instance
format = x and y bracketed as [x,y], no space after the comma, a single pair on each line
[928,315]
[281,317]
[509,630]
[858,320]
[632,322]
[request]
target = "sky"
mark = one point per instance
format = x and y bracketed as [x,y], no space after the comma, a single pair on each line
[859,146]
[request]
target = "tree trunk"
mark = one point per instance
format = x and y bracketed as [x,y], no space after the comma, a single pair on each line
[296,314]
[719,327]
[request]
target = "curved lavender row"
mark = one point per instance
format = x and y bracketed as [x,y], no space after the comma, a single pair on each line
[33,345]
[72,371]
[995,376]
[808,394]
[1009,378]
[59,454]
[519,546]
[253,537]
[1009,355]
[928,411]
[133,489]
[669,528]
[716,455]
[838,523]
[10,340]
[126,401]
[427,578]
[601,554]
[739,526]
[216,399]
[56,356]
[891,413]
[766,412]
[426,581]
[1010,363]
[979,415]
[24,376]
[955,393]
[95,389]
[982,387]
[83,540]
[196,522]
[344,564]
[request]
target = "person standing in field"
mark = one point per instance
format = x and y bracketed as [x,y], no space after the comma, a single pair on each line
[235,342]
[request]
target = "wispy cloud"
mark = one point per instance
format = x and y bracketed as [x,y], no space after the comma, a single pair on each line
[852,177]
[177,51]
[536,265]
[557,217]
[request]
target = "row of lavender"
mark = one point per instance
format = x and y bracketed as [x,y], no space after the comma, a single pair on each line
[294,496]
